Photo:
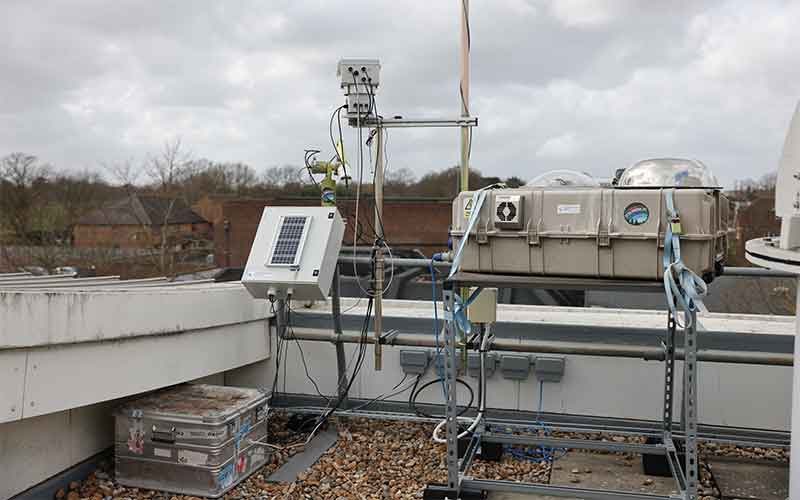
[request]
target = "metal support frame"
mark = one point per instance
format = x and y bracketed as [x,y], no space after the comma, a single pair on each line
[687,478]
[690,403]
[450,376]
[372,122]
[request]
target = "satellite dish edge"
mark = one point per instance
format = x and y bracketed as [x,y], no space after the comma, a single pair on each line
[787,188]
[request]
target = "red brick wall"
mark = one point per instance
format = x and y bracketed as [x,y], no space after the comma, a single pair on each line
[408,223]
[755,221]
[132,236]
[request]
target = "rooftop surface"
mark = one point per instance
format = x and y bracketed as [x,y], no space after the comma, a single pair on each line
[380,460]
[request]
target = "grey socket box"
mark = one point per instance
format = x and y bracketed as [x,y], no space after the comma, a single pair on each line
[414,362]
[474,364]
[515,367]
[191,439]
[549,368]
[591,232]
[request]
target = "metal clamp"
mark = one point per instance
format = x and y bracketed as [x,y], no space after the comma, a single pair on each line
[389,336]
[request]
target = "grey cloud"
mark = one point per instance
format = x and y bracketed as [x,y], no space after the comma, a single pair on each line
[577,84]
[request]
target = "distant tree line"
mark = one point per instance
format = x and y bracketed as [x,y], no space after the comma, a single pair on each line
[40,204]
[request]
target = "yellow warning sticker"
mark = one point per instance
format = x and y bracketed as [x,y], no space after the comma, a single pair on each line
[468,208]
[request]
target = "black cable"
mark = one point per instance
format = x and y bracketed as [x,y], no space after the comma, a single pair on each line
[336,112]
[412,399]
[302,354]
[374,106]
[385,395]
[309,154]
[278,345]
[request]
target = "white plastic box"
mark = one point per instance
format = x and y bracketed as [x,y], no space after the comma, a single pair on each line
[597,232]
[295,250]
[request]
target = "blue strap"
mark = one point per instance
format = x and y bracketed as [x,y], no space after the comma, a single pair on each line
[478,198]
[460,311]
[681,284]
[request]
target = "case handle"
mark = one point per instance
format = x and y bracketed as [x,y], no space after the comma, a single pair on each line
[163,436]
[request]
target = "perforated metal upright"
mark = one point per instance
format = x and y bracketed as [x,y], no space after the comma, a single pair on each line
[458,480]
[451,374]
[690,402]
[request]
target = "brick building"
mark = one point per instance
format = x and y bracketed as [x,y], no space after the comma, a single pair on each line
[137,222]
[409,223]
[754,219]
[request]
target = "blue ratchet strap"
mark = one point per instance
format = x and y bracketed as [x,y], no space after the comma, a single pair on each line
[681,284]
[460,311]
[478,198]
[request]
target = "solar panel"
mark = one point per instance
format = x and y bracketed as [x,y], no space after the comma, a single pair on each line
[288,244]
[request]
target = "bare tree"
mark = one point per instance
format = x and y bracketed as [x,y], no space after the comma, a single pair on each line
[126,172]
[20,172]
[281,176]
[400,176]
[170,166]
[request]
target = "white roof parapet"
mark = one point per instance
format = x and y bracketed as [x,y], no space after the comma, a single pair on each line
[64,316]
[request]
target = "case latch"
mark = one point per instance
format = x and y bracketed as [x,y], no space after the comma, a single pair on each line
[603,238]
[482,234]
[533,233]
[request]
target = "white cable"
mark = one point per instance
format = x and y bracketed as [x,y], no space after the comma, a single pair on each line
[481,404]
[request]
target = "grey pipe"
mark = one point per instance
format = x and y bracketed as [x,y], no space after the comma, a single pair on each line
[404,262]
[341,362]
[559,347]
[756,271]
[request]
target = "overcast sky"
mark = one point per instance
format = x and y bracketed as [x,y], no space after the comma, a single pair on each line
[582,84]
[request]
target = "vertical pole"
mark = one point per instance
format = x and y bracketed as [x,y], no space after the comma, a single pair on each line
[450,375]
[690,403]
[463,90]
[794,474]
[669,375]
[341,362]
[464,95]
[379,266]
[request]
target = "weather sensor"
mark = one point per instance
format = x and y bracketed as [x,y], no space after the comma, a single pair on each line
[294,253]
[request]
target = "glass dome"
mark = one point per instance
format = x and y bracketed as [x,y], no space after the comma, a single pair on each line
[668,172]
[563,178]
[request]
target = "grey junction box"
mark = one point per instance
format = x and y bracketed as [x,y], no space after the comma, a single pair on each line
[413,362]
[191,439]
[515,367]
[549,368]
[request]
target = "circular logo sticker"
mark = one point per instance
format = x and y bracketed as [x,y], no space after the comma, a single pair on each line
[636,214]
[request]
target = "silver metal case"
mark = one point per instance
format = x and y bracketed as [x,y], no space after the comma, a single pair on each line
[191,439]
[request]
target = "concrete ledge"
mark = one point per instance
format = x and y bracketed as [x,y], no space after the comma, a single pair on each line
[45,318]
[42,380]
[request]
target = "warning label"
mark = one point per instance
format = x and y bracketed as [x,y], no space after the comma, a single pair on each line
[468,207]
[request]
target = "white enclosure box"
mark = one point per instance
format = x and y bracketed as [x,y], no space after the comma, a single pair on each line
[359,78]
[295,249]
